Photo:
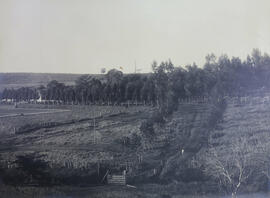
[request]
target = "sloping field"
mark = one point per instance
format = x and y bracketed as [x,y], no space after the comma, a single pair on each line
[76,138]
[188,130]
[243,119]
[66,114]
[80,146]
[82,141]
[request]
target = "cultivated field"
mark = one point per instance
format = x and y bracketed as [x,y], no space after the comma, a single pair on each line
[70,136]
[73,142]
[13,119]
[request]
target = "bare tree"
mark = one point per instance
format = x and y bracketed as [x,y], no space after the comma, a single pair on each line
[232,164]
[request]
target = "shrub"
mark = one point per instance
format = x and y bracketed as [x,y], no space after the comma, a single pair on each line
[147,128]
[28,169]
[135,139]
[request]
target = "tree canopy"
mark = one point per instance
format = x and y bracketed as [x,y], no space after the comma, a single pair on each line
[220,76]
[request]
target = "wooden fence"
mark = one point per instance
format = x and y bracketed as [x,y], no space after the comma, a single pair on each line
[117,179]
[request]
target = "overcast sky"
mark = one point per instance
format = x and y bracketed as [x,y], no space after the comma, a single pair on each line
[82,36]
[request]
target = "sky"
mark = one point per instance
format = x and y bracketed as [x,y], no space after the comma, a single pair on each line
[83,36]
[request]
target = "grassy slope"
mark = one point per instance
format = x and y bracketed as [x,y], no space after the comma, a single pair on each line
[251,120]
[75,142]
[187,128]
[247,119]
[184,131]
[76,113]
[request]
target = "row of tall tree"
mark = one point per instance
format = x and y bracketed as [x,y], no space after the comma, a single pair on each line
[23,93]
[113,88]
[163,87]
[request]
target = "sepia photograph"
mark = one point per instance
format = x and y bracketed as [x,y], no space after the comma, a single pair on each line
[134,99]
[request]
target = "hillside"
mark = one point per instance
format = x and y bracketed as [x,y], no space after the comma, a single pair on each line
[17,80]
[245,123]
[75,149]
[159,164]
[249,117]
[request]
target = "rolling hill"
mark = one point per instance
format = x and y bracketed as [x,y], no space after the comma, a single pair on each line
[17,80]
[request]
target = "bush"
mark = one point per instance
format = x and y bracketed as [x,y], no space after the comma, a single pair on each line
[218,109]
[28,170]
[191,174]
[157,117]
[147,128]
[135,139]
[14,177]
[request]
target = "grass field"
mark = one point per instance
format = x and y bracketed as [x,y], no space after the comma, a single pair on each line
[33,116]
[72,138]
[75,142]
[10,111]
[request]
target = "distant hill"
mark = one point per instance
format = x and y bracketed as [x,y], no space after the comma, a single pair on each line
[17,80]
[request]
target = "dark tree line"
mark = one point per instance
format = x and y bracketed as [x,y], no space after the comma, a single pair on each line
[113,88]
[23,93]
[163,87]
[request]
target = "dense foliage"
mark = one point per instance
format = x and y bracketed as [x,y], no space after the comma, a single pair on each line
[164,87]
